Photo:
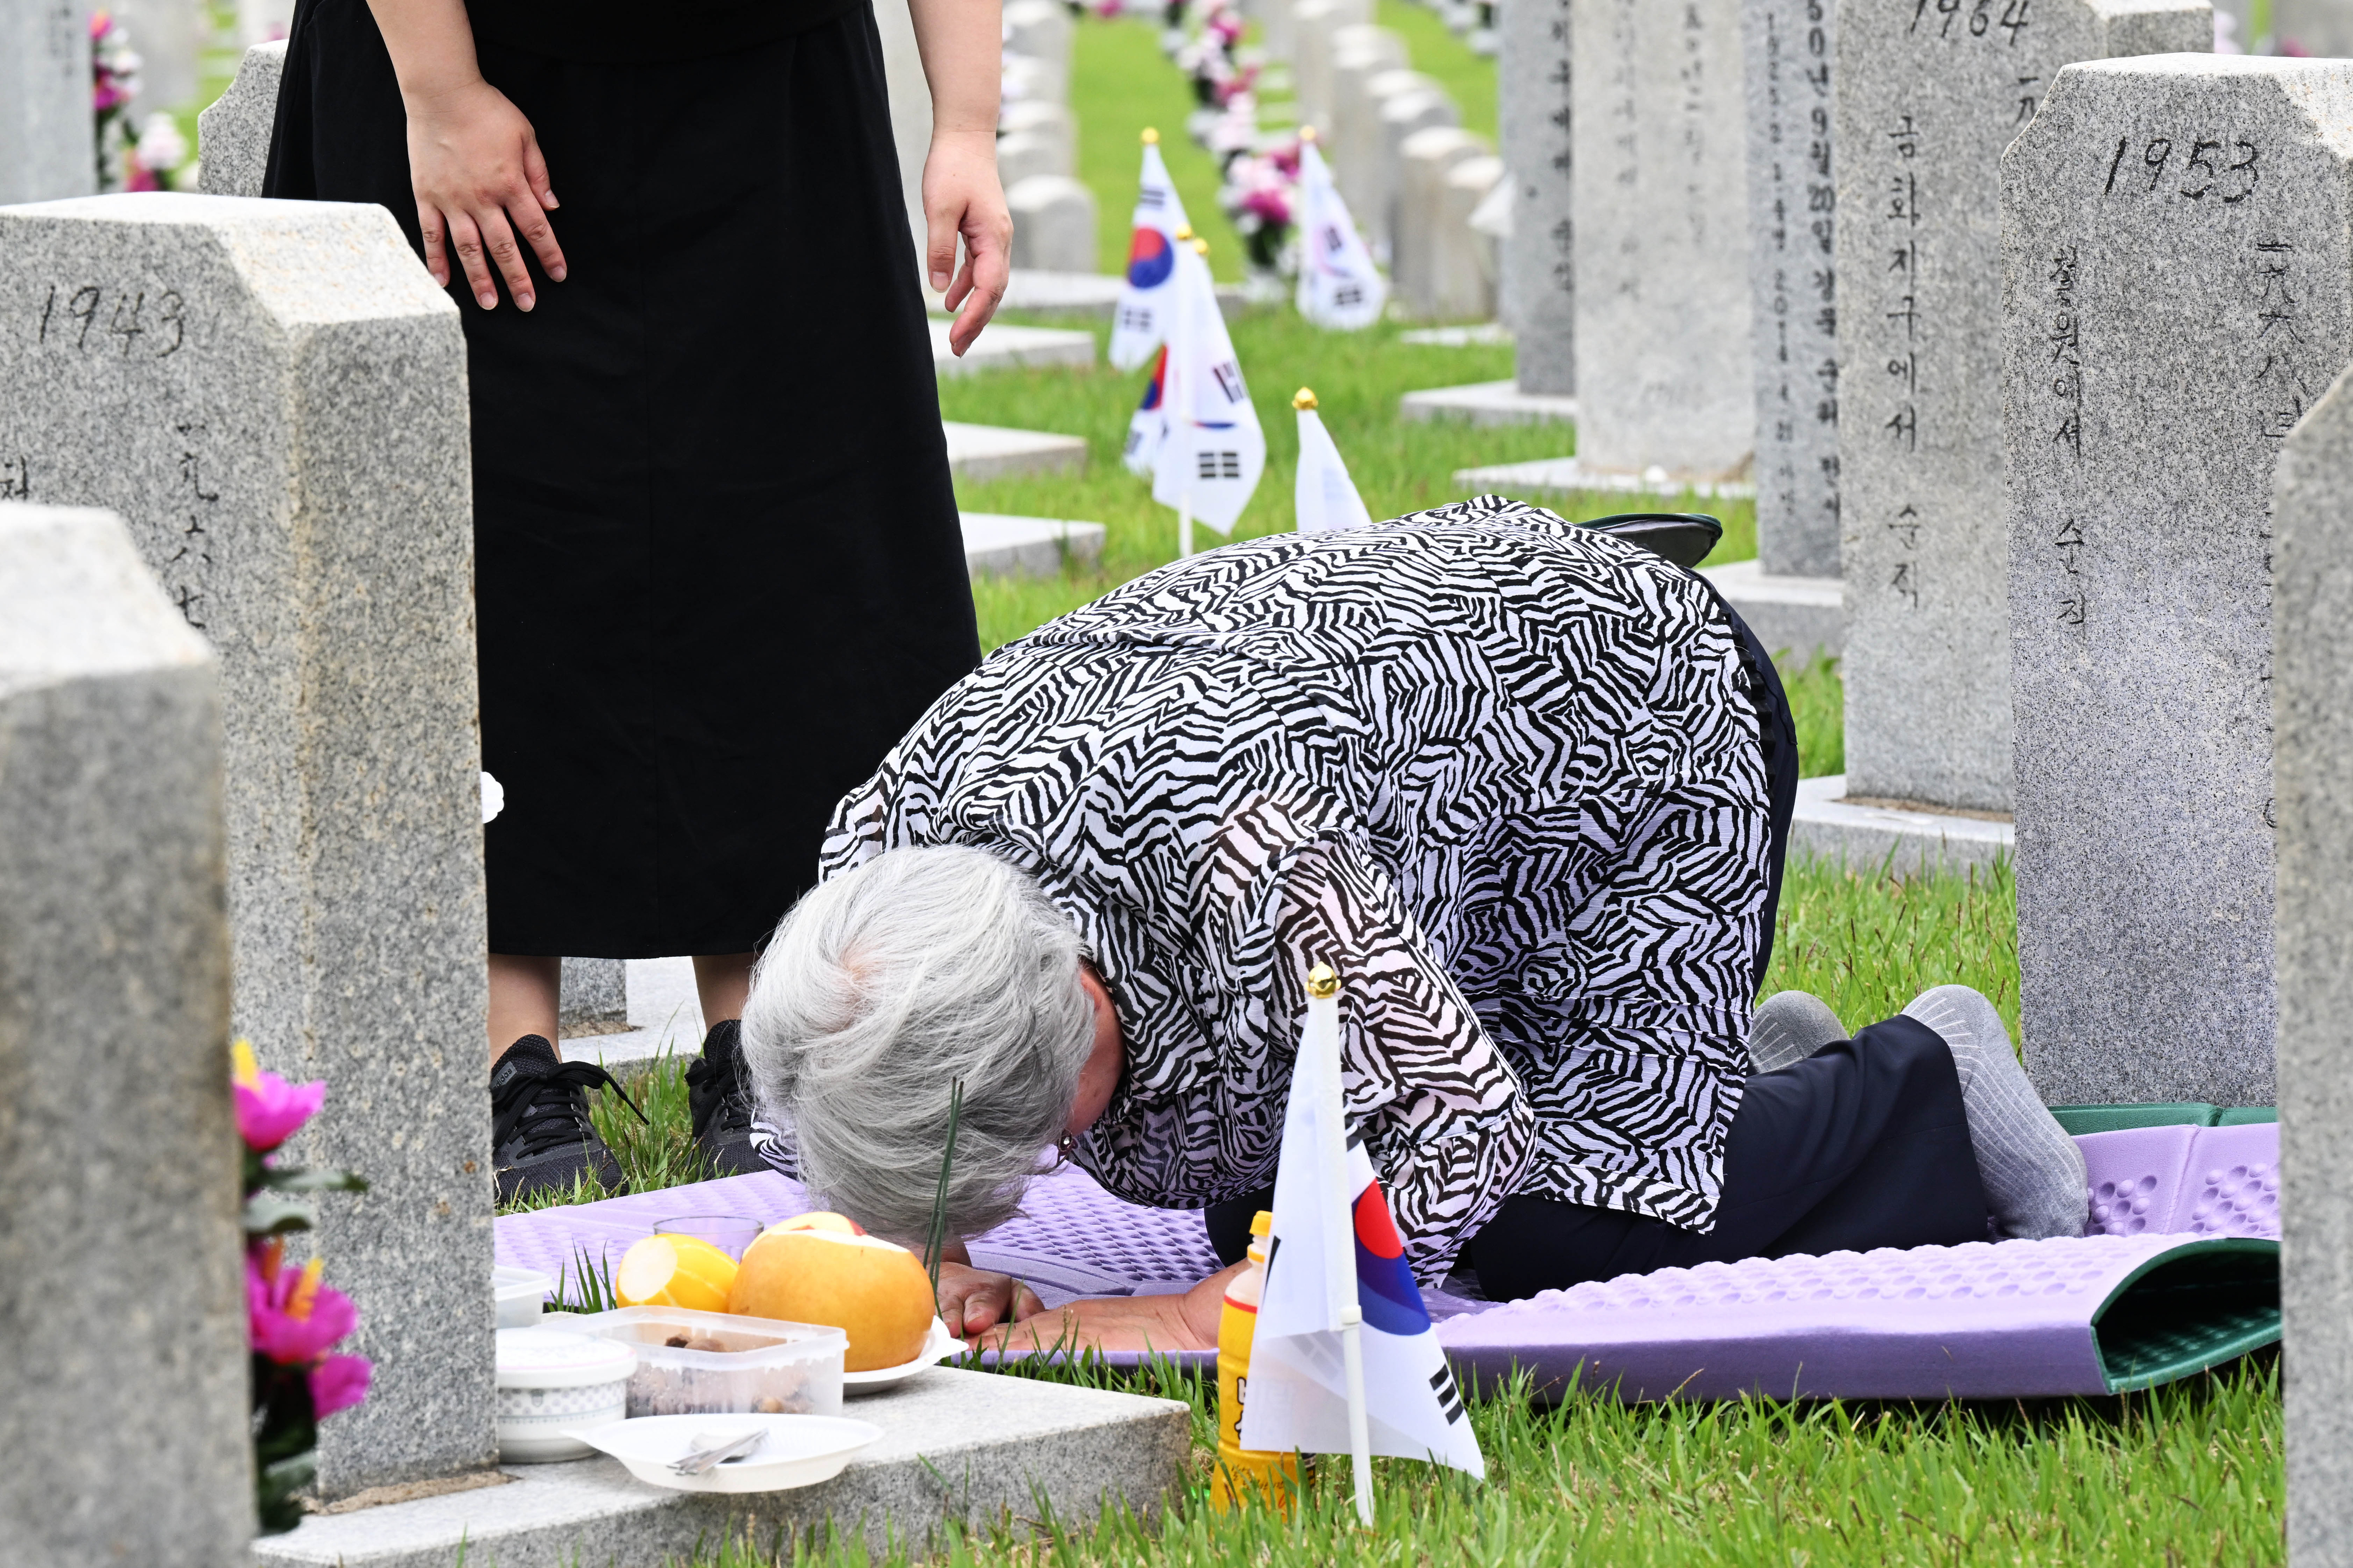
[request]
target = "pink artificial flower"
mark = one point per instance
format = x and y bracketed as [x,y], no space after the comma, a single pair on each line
[270,1110]
[294,1320]
[338,1382]
[100,24]
[1270,206]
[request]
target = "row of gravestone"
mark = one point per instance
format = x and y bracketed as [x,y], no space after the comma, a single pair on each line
[1413,178]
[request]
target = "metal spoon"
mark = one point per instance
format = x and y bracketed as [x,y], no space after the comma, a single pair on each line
[735,1447]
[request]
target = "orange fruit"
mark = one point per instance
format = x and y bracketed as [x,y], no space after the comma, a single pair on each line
[875,1291]
[675,1271]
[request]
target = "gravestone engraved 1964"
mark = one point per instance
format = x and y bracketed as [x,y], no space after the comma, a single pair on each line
[2312,663]
[1534,115]
[1927,98]
[1661,237]
[273,396]
[125,1408]
[2177,241]
[1792,204]
[47,146]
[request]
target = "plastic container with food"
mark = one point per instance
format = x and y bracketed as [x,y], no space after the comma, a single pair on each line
[552,1385]
[694,1363]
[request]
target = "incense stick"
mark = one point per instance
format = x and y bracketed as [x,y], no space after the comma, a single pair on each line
[936,1242]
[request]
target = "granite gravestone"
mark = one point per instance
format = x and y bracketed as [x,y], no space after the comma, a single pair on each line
[49,147]
[234,129]
[1053,224]
[1314,24]
[2322,28]
[1359,55]
[1793,207]
[271,394]
[2178,240]
[125,1409]
[1539,270]
[2312,664]
[593,995]
[1927,98]
[1660,231]
[1428,157]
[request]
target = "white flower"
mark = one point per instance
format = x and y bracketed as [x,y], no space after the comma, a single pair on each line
[494,798]
[162,148]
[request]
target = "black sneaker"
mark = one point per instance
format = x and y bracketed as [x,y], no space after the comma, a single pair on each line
[541,1137]
[719,1093]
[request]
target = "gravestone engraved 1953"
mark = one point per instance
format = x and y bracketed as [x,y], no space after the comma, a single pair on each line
[1661,237]
[124,1411]
[1792,204]
[2178,240]
[2312,642]
[1533,78]
[48,146]
[273,396]
[1928,96]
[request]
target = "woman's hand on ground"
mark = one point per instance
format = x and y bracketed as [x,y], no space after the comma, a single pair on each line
[974,1301]
[481,186]
[1187,1322]
[961,198]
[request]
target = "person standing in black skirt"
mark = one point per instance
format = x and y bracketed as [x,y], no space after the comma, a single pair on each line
[718,565]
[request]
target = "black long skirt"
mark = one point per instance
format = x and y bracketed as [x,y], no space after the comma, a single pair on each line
[718,570]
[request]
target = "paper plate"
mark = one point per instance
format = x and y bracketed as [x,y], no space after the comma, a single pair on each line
[941,1345]
[801,1450]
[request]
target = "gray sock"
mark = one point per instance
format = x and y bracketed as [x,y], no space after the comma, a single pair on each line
[1790,1026]
[2034,1173]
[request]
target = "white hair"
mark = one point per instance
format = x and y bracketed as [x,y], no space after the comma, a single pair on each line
[881,990]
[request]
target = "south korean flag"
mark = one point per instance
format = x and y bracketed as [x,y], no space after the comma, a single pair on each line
[1149,423]
[1338,285]
[1334,1254]
[1139,322]
[1213,451]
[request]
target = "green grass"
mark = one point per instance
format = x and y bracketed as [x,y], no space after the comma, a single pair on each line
[2188,1474]
[1121,83]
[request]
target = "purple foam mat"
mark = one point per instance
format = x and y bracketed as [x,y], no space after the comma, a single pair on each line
[2012,1319]
[2190,1180]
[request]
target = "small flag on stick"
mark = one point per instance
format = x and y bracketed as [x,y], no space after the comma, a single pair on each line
[1343,1359]
[1213,451]
[1140,319]
[1323,496]
[1338,285]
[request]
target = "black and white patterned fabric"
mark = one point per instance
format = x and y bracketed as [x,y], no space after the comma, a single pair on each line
[1503,772]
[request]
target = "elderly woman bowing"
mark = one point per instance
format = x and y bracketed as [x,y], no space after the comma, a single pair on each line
[1525,785]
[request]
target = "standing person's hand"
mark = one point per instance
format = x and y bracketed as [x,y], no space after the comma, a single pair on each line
[961,198]
[482,184]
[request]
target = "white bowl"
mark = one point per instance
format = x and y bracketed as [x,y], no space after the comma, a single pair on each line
[939,1345]
[550,1386]
[801,1450]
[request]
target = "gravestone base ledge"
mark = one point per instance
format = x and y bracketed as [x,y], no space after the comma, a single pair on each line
[1487,403]
[1906,841]
[971,1446]
[1796,617]
[1569,477]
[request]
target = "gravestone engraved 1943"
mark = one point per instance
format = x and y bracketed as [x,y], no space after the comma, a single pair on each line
[49,147]
[2312,641]
[2178,240]
[1660,230]
[125,1408]
[1927,98]
[1533,78]
[1792,203]
[273,396]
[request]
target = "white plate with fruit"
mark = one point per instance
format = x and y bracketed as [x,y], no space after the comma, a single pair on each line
[937,1347]
[811,1268]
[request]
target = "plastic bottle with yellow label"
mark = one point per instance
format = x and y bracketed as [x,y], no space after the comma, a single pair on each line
[1273,1476]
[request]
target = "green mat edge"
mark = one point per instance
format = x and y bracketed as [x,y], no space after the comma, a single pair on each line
[2080,1120]
[2227,1347]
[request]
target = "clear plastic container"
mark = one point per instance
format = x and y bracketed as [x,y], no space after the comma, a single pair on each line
[519,1292]
[760,1365]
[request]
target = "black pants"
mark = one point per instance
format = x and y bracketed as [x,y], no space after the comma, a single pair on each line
[1863,1144]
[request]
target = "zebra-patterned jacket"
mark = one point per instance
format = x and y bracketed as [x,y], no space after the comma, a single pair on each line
[1503,772]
